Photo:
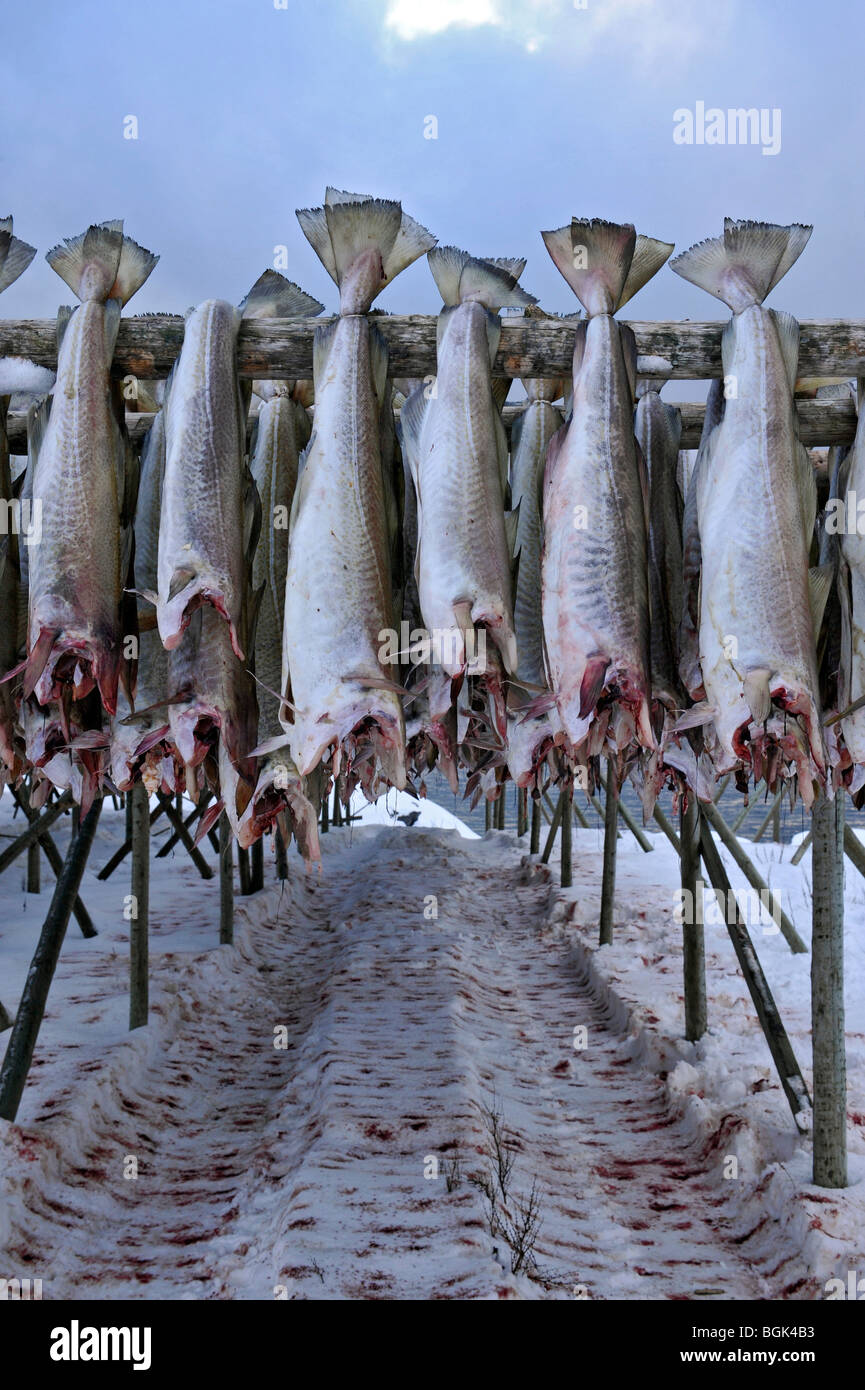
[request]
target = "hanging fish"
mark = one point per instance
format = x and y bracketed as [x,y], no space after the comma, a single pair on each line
[341,694]
[595,563]
[756,504]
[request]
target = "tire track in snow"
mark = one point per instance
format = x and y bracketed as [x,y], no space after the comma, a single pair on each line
[304,1169]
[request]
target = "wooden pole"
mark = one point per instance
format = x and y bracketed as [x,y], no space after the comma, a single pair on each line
[226,884]
[551,836]
[790,1076]
[256,867]
[126,848]
[337,807]
[488,814]
[243,872]
[500,808]
[31,1010]
[788,931]
[566,867]
[522,811]
[827,993]
[182,834]
[35,830]
[324,824]
[280,854]
[693,939]
[33,860]
[608,881]
[139,970]
[535,836]
[55,860]
[803,848]
[195,814]
[662,820]
[853,848]
[776,805]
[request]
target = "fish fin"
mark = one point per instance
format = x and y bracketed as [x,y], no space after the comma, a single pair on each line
[412,240]
[37,423]
[493,283]
[629,353]
[745,263]
[756,690]
[378,362]
[442,324]
[446,264]
[275,297]
[501,435]
[592,683]
[819,587]
[64,314]
[693,718]
[594,256]
[179,580]
[324,335]
[135,265]
[411,419]
[313,224]
[15,255]
[361,226]
[807,491]
[512,521]
[112,326]
[788,337]
[649,256]
[89,262]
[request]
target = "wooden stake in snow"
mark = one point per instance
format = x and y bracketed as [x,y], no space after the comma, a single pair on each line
[566,872]
[522,815]
[55,859]
[256,866]
[139,966]
[788,931]
[535,838]
[226,884]
[693,941]
[827,993]
[25,1030]
[553,831]
[281,856]
[767,1012]
[608,881]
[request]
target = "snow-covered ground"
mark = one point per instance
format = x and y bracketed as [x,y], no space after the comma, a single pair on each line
[310,1111]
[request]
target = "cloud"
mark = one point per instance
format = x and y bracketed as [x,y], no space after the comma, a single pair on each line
[646,28]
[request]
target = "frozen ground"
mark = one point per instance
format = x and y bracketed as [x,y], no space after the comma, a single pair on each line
[423,979]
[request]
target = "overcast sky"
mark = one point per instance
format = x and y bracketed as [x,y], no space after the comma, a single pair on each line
[545,110]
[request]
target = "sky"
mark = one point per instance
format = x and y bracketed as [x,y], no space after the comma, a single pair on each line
[544,110]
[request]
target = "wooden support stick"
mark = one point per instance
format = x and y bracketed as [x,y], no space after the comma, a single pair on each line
[608,881]
[324,828]
[35,830]
[776,803]
[337,808]
[256,866]
[226,884]
[566,868]
[853,848]
[535,836]
[55,860]
[663,821]
[33,859]
[693,938]
[554,826]
[488,814]
[31,1010]
[120,854]
[827,993]
[645,844]
[803,848]
[578,814]
[184,836]
[788,931]
[500,808]
[195,814]
[522,812]
[742,816]
[281,855]
[139,923]
[770,1020]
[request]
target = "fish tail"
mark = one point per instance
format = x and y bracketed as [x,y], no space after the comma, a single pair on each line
[745,263]
[363,243]
[605,263]
[274,297]
[15,255]
[490,280]
[102,263]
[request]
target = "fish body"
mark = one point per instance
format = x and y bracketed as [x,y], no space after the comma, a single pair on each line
[595,557]
[756,506]
[852,590]
[338,594]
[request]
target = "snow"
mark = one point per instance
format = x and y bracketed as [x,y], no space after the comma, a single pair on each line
[20,374]
[422,976]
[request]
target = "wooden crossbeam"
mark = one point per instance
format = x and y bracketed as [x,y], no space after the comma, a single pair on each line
[820,423]
[147,346]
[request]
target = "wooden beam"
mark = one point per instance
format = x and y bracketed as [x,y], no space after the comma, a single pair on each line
[273,348]
[713,816]
[139,923]
[608,880]
[693,936]
[820,423]
[827,993]
[31,1010]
